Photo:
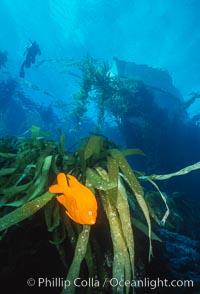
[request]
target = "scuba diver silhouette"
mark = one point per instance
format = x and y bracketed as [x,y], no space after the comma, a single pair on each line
[31,52]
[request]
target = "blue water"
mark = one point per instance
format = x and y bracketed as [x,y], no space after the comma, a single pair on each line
[163,34]
[160,34]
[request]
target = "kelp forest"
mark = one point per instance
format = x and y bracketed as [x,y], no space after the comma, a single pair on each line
[139,205]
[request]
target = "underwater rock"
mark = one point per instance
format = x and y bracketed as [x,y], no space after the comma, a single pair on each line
[182,256]
[177,259]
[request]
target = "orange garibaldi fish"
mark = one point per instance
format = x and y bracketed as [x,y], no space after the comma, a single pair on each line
[79,201]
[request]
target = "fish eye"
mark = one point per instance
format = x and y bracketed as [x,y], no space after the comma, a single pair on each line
[90,212]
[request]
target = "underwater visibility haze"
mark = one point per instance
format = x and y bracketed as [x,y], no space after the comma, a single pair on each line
[99,146]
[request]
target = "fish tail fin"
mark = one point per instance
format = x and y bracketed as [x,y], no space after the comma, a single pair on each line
[62,180]
[61,186]
[55,189]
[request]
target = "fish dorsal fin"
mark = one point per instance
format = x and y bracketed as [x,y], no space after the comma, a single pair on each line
[72,181]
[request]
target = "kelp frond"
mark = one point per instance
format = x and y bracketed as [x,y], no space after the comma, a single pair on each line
[24,211]
[181,172]
[29,167]
[79,255]
[135,187]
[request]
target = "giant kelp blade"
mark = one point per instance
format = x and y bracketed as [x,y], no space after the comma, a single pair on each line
[90,262]
[136,188]
[62,142]
[24,211]
[33,188]
[132,151]
[124,214]
[9,192]
[43,161]
[79,255]
[181,172]
[144,229]
[37,133]
[113,174]
[52,215]
[116,207]
[93,147]
[41,180]
[7,155]
[95,179]
[59,235]
[7,171]
[113,170]
[117,198]
[165,216]
[121,262]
